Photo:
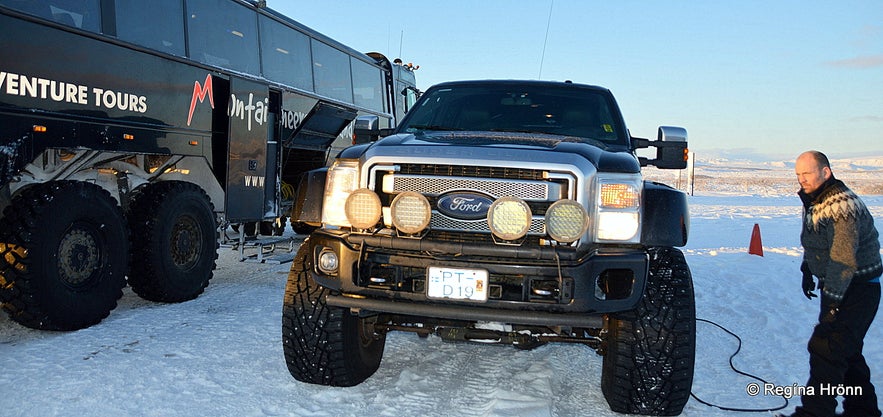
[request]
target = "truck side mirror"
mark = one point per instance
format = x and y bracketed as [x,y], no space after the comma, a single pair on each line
[366,129]
[671,148]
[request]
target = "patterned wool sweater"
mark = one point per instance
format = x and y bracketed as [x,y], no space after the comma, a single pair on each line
[841,244]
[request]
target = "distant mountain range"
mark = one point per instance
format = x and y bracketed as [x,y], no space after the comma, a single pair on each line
[751,159]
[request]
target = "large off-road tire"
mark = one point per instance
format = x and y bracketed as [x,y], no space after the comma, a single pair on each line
[174,241]
[63,256]
[649,352]
[323,344]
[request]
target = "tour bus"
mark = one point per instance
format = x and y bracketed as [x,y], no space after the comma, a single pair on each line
[131,132]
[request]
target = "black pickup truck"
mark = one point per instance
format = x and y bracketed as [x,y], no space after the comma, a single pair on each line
[501,211]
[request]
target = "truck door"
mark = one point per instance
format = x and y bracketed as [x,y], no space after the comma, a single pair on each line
[248,110]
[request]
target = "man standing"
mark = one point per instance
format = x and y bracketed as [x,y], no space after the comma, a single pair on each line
[841,248]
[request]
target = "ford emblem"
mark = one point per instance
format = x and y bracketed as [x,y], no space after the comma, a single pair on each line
[464,205]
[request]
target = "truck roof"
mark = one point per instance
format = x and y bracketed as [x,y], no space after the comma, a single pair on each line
[568,84]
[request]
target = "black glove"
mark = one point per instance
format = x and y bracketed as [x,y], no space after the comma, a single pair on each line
[809,284]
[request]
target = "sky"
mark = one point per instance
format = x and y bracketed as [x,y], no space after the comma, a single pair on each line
[755,79]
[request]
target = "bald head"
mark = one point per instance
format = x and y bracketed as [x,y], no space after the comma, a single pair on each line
[812,169]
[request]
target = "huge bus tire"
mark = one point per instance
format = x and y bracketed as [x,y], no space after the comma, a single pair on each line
[64,246]
[174,241]
[323,344]
[649,352]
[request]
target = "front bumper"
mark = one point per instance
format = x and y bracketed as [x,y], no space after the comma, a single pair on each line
[538,285]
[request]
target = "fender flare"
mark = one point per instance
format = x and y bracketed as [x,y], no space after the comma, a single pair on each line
[310,196]
[666,216]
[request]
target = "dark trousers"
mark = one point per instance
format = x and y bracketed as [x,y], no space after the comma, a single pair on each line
[836,360]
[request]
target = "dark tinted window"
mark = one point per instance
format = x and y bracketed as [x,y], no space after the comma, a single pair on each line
[367,85]
[286,54]
[331,72]
[159,25]
[83,14]
[223,33]
[533,108]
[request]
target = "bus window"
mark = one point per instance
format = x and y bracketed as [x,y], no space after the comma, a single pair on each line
[410,94]
[331,72]
[223,33]
[159,26]
[83,14]
[367,83]
[285,54]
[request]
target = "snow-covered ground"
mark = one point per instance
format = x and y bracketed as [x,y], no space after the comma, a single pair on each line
[221,354]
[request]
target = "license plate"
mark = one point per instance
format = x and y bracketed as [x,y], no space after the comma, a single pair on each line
[457,284]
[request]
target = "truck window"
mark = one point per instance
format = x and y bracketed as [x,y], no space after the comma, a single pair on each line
[159,27]
[566,112]
[285,54]
[223,33]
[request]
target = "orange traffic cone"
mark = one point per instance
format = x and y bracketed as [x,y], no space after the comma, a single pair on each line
[756,247]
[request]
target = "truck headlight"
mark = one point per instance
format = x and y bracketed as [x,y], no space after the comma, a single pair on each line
[566,221]
[617,226]
[410,212]
[619,209]
[509,218]
[619,195]
[343,178]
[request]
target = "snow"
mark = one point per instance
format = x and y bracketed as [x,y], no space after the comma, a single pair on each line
[221,354]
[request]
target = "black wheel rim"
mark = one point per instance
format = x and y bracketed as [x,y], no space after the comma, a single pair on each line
[79,256]
[367,337]
[185,240]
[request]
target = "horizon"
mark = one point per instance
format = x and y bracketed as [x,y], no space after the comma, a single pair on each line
[749,155]
[746,78]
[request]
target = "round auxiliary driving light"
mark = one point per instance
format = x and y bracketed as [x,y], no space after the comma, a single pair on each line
[410,212]
[362,208]
[566,221]
[509,218]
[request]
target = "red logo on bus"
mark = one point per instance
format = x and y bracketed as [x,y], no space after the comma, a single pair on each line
[199,93]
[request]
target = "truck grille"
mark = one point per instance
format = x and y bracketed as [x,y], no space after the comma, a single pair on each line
[430,186]
[471,171]
[442,222]
[536,187]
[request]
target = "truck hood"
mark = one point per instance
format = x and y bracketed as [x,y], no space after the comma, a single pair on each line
[474,138]
[463,145]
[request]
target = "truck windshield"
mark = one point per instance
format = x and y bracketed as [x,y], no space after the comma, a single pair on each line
[565,111]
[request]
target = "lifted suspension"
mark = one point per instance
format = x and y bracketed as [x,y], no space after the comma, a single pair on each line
[521,339]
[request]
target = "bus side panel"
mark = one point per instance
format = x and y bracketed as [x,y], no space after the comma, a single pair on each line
[52,74]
